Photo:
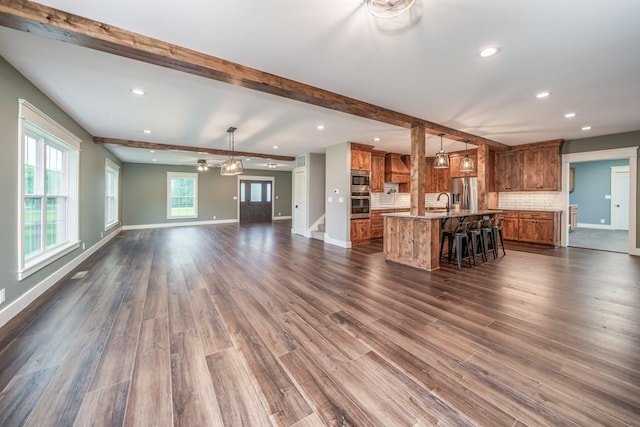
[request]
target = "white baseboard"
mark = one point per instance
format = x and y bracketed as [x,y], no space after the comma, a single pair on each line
[597,226]
[23,301]
[336,242]
[178,224]
[277,218]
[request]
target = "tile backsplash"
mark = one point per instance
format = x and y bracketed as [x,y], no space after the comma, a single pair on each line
[530,200]
[402,200]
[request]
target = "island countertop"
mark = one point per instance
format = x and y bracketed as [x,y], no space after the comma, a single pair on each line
[443,215]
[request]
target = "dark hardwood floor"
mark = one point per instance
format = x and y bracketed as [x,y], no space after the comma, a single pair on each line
[247,325]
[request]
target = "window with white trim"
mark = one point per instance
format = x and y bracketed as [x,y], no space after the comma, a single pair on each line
[111,189]
[182,195]
[48,190]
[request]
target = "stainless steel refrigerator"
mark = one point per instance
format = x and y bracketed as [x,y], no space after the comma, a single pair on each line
[464,191]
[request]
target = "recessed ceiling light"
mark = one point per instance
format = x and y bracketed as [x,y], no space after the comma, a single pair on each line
[154,160]
[152,151]
[489,51]
[137,92]
[275,147]
[569,115]
[248,159]
[146,131]
[543,94]
[272,165]
[320,127]
[376,139]
[586,128]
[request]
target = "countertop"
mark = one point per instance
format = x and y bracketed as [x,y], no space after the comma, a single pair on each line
[529,210]
[443,215]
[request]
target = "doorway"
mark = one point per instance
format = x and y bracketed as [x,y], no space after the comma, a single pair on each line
[300,201]
[620,197]
[256,200]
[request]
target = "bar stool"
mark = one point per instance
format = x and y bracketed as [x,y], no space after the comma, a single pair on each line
[497,232]
[488,238]
[477,240]
[461,238]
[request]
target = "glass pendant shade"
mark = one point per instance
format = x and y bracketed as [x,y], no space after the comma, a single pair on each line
[467,163]
[232,166]
[441,161]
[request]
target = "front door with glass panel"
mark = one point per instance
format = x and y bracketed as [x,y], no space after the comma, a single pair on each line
[255,200]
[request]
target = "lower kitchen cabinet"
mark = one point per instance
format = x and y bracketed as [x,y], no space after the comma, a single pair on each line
[377,221]
[360,230]
[532,227]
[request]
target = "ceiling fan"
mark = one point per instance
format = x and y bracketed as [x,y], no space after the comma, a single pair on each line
[389,8]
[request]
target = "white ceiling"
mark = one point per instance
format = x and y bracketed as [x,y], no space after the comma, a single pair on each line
[424,64]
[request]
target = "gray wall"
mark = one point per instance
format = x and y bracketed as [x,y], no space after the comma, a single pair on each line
[338,169]
[12,87]
[593,182]
[145,193]
[608,142]
[315,184]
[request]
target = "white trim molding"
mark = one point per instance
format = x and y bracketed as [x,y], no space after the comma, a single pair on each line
[178,224]
[594,226]
[16,306]
[278,218]
[630,153]
[336,242]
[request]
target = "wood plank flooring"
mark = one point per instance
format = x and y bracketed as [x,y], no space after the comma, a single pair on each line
[247,325]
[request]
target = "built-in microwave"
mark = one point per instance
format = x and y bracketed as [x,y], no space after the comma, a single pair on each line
[360,182]
[360,207]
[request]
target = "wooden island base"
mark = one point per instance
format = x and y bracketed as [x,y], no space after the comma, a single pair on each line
[415,240]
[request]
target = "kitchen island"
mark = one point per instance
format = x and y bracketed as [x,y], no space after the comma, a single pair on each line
[415,240]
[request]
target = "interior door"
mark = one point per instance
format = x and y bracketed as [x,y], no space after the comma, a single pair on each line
[300,202]
[255,200]
[620,198]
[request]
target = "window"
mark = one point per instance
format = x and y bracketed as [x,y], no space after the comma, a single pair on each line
[111,187]
[48,190]
[182,195]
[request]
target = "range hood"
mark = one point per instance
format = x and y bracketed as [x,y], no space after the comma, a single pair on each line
[395,170]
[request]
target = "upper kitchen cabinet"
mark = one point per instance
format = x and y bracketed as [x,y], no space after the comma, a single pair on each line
[454,166]
[436,180]
[361,157]
[542,168]
[377,170]
[509,170]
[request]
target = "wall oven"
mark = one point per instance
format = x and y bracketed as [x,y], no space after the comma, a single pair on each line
[360,183]
[360,207]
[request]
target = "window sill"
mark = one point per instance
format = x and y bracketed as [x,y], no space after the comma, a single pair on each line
[183,217]
[111,225]
[42,261]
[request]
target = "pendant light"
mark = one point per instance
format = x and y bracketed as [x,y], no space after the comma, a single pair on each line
[441,161]
[389,8]
[467,163]
[232,166]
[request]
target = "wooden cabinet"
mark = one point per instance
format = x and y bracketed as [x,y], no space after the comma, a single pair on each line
[573,217]
[456,161]
[377,170]
[536,227]
[436,180]
[361,156]
[572,180]
[360,230]
[542,169]
[510,225]
[509,170]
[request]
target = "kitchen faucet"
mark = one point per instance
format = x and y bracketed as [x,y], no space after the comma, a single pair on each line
[445,194]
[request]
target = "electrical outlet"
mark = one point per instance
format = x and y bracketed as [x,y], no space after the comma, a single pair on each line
[2,296]
[601,220]
[83,246]
[279,213]
[102,235]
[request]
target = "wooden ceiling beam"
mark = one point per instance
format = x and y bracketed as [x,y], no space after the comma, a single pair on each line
[215,151]
[55,24]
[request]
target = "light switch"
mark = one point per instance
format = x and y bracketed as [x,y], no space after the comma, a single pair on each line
[340,199]
[607,196]
[330,199]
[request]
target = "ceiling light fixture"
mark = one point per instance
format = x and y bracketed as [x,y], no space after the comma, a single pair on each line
[147,131]
[489,51]
[389,8]
[320,127]
[275,147]
[154,160]
[232,166]
[272,165]
[441,161]
[376,139]
[202,166]
[569,115]
[543,94]
[139,92]
[467,163]
[152,151]
[586,128]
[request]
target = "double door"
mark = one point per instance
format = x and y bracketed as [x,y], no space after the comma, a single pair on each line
[255,200]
